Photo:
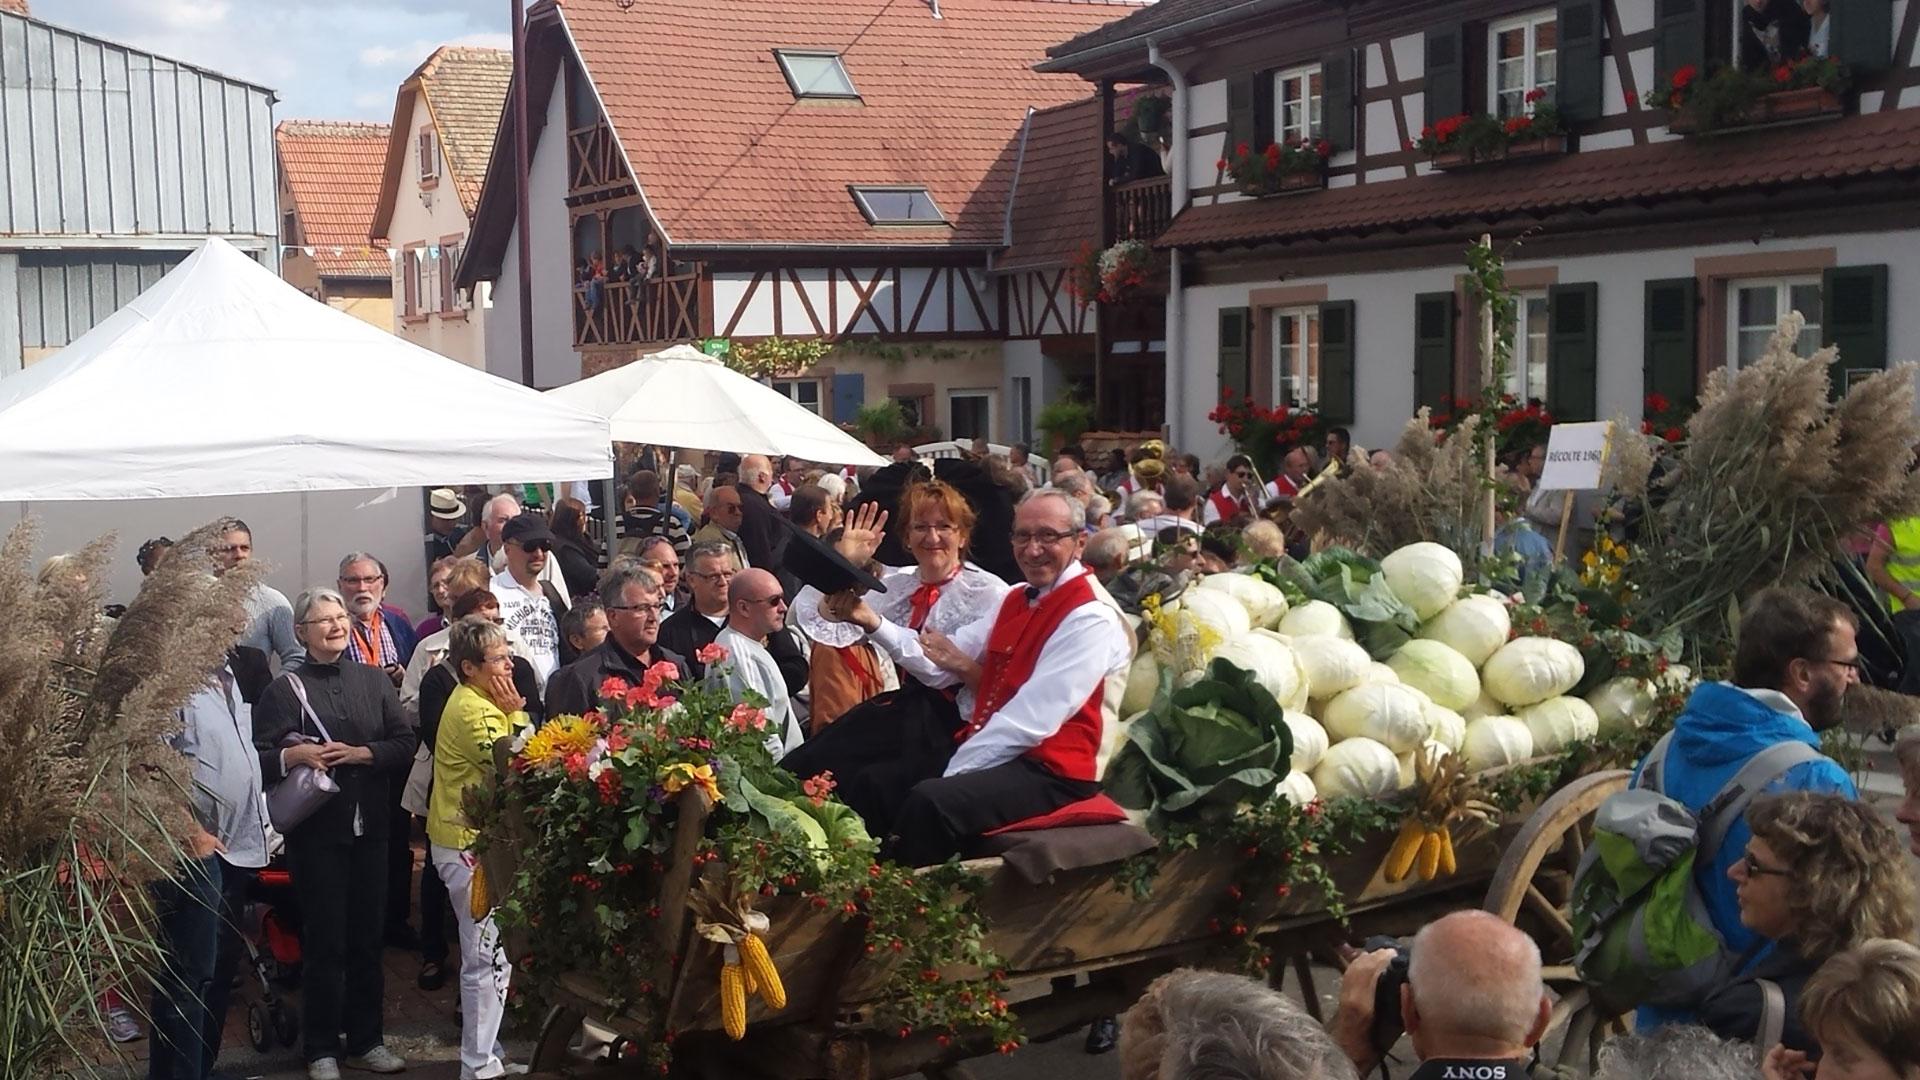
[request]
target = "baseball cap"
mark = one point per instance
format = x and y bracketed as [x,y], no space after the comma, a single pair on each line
[526,529]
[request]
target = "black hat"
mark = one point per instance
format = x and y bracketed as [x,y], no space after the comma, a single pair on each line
[816,562]
[527,528]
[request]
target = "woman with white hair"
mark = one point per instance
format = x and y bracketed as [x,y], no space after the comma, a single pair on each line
[1677,1052]
[1212,1024]
[343,718]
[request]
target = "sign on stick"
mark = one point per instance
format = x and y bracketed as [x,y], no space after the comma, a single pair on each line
[1575,454]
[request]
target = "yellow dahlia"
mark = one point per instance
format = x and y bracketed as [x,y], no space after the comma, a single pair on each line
[557,738]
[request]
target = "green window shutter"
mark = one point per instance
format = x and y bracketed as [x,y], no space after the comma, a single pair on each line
[1578,79]
[1250,111]
[1853,315]
[1336,99]
[1236,352]
[1445,87]
[1336,362]
[1433,351]
[1679,37]
[1862,34]
[1573,354]
[1670,361]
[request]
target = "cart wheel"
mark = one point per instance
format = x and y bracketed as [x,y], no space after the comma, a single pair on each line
[1533,890]
[285,1024]
[259,1027]
[558,1034]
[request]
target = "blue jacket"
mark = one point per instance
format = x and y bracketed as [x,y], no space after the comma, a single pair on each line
[1720,729]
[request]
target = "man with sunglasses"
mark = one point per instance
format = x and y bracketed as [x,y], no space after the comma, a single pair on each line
[532,607]
[756,613]
[632,599]
[1794,661]
[1236,500]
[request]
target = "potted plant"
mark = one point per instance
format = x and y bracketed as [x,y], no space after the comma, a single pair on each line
[1468,139]
[1731,99]
[1264,433]
[1295,165]
[1124,268]
[881,423]
[1064,420]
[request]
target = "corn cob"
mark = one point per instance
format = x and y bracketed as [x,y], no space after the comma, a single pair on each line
[478,902]
[733,1001]
[760,969]
[1405,847]
[1447,863]
[1429,860]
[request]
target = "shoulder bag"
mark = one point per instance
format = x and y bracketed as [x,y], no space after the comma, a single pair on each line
[304,789]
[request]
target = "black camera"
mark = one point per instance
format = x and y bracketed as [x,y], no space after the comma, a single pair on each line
[1387,1021]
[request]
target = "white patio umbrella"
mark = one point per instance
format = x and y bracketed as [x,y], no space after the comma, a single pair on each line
[223,379]
[681,397]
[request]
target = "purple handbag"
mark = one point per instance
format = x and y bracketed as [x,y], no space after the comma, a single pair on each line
[304,789]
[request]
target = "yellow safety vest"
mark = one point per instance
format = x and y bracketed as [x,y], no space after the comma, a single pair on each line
[1903,562]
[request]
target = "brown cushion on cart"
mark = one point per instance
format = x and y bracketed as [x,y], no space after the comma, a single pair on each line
[1038,854]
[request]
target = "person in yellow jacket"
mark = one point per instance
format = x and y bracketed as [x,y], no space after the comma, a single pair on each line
[483,709]
[1893,563]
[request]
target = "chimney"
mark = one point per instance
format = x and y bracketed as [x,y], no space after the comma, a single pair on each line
[934,4]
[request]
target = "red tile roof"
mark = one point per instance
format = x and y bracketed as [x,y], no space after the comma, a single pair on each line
[1056,203]
[332,169]
[17,7]
[1849,148]
[726,156]
[466,90]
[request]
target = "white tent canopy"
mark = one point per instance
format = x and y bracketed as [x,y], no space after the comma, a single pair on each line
[223,379]
[683,398]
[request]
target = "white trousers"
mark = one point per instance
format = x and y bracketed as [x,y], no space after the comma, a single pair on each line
[484,971]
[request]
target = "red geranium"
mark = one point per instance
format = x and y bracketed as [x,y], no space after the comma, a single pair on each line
[1658,403]
[1783,74]
[1673,434]
[1684,76]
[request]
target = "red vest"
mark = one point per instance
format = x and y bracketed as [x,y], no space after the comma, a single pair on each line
[1013,647]
[1227,506]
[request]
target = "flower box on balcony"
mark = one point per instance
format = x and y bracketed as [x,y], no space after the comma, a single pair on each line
[1778,107]
[1287,183]
[1518,150]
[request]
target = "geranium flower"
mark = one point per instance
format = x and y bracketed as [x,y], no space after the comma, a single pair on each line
[608,785]
[710,653]
[1535,94]
[1324,148]
[1658,403]
[1673,434]
[1221,164]
[819,787]
[613,688]
[1783,74]
[664,670]
[677,776]
[745,716]
[1684,76]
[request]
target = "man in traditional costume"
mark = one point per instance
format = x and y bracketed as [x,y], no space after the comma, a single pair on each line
[1047,670]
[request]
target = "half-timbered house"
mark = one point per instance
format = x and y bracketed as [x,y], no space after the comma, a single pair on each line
[831,172]
[1654,243]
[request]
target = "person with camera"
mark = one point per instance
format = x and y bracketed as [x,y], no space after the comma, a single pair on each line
[1467,992]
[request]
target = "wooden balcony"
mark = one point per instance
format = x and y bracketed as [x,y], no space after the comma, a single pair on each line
[1140,209]
[639,312]
[594,163]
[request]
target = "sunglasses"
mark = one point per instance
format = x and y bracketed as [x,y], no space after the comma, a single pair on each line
[536,545]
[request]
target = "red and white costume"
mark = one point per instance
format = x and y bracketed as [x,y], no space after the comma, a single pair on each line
[1223,505]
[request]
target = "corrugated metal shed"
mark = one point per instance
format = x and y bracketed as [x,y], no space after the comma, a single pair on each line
[102,140]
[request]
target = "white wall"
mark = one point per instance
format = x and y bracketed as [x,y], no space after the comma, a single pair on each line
[462,336]
[1384,323]
[301,537]
[1023,359]
[554,359]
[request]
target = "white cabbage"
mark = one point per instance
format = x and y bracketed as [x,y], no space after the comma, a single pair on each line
[1360,768]
[1437,671]
[1143,681]
[1387,713]
[1475,626]
[1316,618]
[1558,723]
[1484,705]
[1272,665]
[1379,672]
[1493,741]
[1264,603]
[1310,740]
[1297,788]
[1331,664]
[1425,576]
[1530,669]
[1622,703]
[1445,727]
[1204,621]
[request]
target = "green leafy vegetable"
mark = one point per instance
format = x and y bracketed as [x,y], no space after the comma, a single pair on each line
[1204,750]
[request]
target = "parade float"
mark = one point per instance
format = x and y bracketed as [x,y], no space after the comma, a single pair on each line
[1403,723]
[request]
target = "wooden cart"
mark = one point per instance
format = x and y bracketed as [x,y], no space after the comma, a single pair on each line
[1076,947]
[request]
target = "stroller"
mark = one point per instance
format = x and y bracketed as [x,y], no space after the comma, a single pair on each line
[270,930]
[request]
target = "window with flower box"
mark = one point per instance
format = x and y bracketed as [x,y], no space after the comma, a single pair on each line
[1297,99]
[1296,355]
[1521,57]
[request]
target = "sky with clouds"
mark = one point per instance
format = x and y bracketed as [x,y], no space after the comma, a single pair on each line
[327,59]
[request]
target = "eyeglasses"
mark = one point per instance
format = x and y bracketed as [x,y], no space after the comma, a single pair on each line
[1043,537]
[775,599]
[715,575]
[328,620]
[933,530]
[1754,869]
[642,610]
[1855,665]
[373,580]
[1242,474]
[536,545]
